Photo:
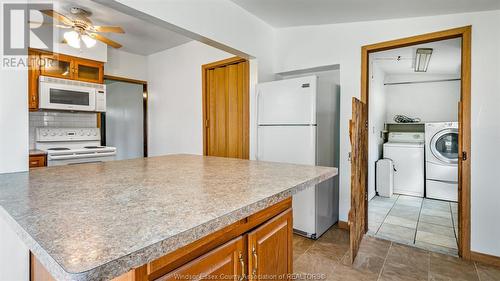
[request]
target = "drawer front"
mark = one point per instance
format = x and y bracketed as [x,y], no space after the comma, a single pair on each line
[37,161]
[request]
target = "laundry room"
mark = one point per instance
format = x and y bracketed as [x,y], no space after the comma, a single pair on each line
[414,95]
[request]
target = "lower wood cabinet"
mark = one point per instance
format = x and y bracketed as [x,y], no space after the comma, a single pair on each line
[227,262]
[37,161]
[270,249]
[258,247]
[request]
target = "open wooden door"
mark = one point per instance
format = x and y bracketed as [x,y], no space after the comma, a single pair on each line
[359,175]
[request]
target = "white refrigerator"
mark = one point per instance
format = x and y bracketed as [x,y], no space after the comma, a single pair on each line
[296,124]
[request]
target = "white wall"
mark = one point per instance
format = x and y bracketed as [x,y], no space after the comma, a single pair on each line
[175,104]
[126,65]
[306,47]
[376,121]
[431,102]
[13,115]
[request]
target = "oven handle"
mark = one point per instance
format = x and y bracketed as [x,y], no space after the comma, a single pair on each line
[79,156]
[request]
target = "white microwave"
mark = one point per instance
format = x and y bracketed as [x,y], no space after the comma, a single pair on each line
[64,94]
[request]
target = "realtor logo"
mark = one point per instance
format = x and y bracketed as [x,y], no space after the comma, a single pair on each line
[25,26]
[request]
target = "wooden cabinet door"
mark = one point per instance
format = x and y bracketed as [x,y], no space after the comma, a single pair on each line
[270,253]
[57,65]
[88,71]
[225,262]
[37,161]
[33,74]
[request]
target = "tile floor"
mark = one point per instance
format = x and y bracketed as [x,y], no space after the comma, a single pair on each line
[421,222]
[379,260]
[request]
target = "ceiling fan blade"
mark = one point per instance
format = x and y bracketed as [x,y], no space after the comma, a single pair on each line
[114,29]
[105,40]
[36,23]
[59,17]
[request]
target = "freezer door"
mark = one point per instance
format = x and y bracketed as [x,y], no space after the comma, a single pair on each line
[297,145]
[289,101]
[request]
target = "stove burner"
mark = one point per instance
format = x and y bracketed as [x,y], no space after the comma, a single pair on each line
[58,148]
[93,147]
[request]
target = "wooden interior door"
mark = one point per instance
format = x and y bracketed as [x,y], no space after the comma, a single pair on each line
[270,249]
[359,175]
[226,113]
[226,262]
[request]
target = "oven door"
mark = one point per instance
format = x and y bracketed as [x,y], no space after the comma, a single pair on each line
[66,97]
[72,159]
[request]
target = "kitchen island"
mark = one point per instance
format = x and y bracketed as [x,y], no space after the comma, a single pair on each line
[100,221]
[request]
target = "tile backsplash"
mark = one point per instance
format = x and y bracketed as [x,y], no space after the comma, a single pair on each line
[59,119]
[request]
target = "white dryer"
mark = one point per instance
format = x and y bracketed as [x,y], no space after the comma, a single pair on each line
[441,160]
[406,150]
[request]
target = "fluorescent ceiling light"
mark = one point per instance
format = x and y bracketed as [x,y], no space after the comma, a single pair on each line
[422,59]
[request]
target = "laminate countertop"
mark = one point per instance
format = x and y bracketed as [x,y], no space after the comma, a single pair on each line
[98,221]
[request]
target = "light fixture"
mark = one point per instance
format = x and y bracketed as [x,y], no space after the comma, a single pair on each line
[89,41]
[72,38]
[422,59]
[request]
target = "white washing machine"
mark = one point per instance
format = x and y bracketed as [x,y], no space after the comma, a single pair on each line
[406,150]
[441,160]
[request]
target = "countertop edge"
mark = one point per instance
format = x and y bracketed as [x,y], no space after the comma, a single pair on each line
[154,251]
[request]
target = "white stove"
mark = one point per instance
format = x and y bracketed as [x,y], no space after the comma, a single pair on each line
[67,146]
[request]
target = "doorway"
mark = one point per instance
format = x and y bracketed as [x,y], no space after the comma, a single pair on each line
[124,125]
[358,216]
[226,108]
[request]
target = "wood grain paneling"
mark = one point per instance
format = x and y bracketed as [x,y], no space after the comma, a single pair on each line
[225,108]
[357,213]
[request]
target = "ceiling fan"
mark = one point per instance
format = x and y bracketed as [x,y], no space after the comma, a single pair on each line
[83,29]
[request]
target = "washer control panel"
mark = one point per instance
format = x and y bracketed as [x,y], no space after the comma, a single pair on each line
[67,134]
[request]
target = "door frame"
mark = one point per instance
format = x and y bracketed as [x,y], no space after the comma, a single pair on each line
[246,109]
[144,105]
[464,119]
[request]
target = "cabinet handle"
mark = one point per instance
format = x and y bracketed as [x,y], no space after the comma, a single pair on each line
[254,252]
[242,262]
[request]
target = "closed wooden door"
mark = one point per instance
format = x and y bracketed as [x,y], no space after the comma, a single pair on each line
[226,108]
[359,159]
[226,262]
[270,249]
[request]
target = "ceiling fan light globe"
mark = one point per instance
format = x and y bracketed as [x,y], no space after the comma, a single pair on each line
[89,41]
[73,39]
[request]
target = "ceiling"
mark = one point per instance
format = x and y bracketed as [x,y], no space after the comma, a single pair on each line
[445,58]
[285,13]
[140,37]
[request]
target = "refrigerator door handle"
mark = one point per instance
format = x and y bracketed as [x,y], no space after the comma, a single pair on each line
[257,129]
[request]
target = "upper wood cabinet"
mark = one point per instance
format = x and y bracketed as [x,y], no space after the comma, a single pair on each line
[33,73]
[56,65]
[270,249]
[89,71]
[59,66]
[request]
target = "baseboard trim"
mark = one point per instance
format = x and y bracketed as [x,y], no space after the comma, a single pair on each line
[485,258]
[343,225]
